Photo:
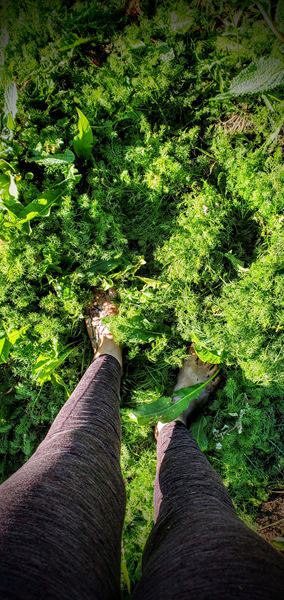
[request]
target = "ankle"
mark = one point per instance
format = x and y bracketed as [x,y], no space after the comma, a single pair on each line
[109,346]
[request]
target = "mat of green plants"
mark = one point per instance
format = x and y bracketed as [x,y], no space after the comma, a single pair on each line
[141,148]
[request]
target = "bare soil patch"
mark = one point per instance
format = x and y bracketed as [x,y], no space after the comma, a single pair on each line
[271,518]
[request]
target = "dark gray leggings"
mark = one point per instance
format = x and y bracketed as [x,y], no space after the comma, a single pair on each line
[62,515]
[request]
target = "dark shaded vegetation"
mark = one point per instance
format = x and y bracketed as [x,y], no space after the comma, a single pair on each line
[180,206]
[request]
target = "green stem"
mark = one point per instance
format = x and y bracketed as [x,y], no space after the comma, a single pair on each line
[269,22]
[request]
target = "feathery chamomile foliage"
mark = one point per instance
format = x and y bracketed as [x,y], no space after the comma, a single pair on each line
[164,143]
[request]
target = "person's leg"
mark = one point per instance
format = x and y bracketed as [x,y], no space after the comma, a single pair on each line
[198,547]
[61,514]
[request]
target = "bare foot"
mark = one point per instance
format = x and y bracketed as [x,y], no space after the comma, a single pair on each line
[193,371]
[102,339]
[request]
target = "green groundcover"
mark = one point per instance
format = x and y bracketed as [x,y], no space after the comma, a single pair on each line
[141,147]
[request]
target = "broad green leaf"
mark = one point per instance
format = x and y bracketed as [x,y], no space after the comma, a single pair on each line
[71,40]
[10,102]
[9,197]
[45,365]
[261,75]
[5,166]
[5,346]
[4,187]
[164,409]
[54,159]
[7,340]
[43,359]
[82,142]
[14,335]
[24,226]
[206,354]
[8,189]
[279,16]
[40,207]
[13,190]
[104,266]
[9,121]
[197,431]
[110,265]
[57,380]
